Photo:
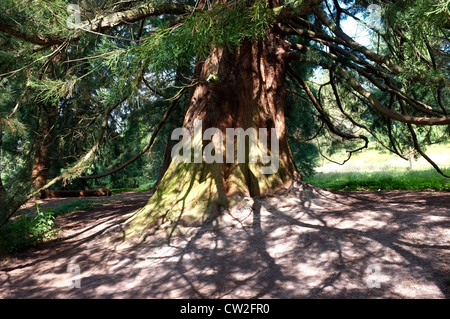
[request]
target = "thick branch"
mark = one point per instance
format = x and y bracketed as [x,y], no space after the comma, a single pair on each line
[380,59]
[287,11]
[417,145]
[387,112]
[104,22]
[45,40]
[326,117]
[352,120]
[99,23]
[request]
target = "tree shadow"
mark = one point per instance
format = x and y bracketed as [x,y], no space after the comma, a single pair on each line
[305,245]
[413,260]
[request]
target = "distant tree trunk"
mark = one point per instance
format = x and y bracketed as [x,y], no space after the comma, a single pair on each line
[45,123]
[243,89]
[411,157]
[41,162]
[2,188]
[84,183]
[166,161]
[175,119]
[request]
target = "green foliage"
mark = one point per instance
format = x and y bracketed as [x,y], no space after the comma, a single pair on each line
[26,231]
[301,125]
[305,156]
[225,25]
[74,206]
[441,7]
[142,188]
[46,16]
[428,12]
[423,23]
[51,91]
[389,180]
[43,223]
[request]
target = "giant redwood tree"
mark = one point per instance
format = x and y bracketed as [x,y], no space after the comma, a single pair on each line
[246,56]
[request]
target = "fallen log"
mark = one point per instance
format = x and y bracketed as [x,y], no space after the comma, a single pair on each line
[77,193]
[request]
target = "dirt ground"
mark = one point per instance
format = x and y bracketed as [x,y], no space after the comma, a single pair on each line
[308,243]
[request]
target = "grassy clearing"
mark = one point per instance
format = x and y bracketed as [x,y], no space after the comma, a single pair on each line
[376,170]
[389,180]
[74,206]
[142,188]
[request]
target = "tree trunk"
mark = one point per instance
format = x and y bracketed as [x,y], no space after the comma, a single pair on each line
[175,120]
[41,162]
[166,161]
[2,188]
[243,89]
[45,124]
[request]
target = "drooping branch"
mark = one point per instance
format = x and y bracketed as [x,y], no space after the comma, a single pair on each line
[389,86]
[340,52]
[376,104]
[353,121]
[375,57]
[147,147]
[417,144]
[326,118]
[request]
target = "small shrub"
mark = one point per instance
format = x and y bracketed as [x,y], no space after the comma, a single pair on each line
[26,231]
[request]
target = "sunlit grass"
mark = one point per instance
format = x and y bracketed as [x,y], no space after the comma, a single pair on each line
[142,188]
[388,180]
[376,170]
[372,160]
[76,205]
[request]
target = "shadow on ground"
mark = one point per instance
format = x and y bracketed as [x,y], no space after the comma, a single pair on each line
[307,244]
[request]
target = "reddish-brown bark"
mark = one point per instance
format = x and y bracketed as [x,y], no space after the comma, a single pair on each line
[248,91]
[240,89]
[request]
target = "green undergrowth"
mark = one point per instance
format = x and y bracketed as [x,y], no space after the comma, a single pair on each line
[142,188]
[76,205]
[24,231]
[382,180]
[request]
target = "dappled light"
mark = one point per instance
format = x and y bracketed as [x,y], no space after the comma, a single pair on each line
[224,149]
[310,243]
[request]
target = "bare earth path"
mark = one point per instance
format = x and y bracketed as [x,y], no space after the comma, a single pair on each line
[305,244]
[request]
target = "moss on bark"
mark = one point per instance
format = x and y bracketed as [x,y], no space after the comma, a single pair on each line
[250,94]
